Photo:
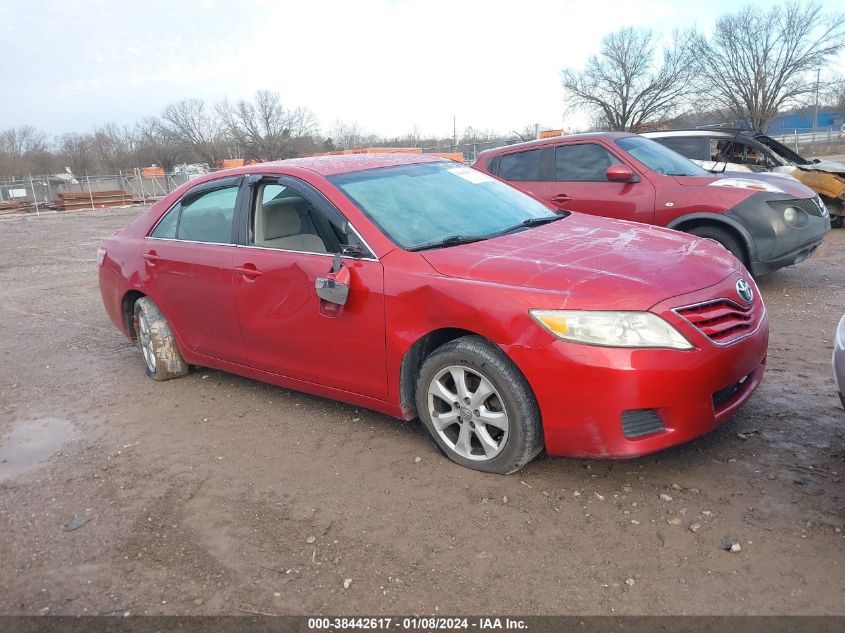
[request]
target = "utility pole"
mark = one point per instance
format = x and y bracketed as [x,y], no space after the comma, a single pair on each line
[816,106]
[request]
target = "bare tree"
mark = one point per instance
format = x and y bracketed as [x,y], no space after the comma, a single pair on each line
[75,151]
[191,124]
[113,147]
[156,144]
[622,87]
[22,150]
[759,62]
[346,135]
[263,128]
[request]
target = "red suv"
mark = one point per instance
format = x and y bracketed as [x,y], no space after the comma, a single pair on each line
[417,286]
[767,222]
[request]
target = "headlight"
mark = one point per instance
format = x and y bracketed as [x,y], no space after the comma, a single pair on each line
[611,329]
[790,214]
[746,183]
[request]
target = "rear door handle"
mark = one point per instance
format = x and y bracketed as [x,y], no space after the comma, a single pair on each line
[561,197]
[249,271]
[151,258]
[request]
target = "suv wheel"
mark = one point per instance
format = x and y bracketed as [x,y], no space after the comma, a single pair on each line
[723,237]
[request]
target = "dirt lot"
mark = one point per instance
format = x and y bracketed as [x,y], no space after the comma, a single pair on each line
[217,494]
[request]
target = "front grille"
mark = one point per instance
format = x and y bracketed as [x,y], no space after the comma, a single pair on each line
[723,396]
[811,206]
[640,422]
[722,321]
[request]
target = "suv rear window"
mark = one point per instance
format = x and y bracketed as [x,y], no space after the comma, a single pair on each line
[522,166]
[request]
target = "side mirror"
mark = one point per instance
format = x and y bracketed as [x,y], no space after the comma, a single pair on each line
[620,173]
[331,290]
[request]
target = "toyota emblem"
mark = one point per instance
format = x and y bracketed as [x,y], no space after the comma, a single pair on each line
[743,289]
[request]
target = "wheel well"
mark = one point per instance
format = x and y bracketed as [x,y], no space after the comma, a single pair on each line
[688,225]
[129,300]
[413,361]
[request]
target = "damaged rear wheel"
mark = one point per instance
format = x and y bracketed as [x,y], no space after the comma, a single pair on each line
[162,359]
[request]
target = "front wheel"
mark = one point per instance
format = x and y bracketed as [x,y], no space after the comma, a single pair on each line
[478,407]
[162,359]
[723,237]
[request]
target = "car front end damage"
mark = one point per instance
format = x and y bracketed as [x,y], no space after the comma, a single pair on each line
[828,180]
[783,230]
[623,403]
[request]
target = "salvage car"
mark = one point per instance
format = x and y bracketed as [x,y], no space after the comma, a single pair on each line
[417,286]
[766,222]
[747,151]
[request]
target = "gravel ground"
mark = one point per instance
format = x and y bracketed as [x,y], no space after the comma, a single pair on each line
[214,494]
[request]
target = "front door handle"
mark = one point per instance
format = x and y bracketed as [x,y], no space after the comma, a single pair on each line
[249,271]
[561,197]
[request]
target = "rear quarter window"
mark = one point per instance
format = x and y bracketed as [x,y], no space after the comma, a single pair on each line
[692,147]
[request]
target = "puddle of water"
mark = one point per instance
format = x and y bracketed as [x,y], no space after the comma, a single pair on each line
[29,446]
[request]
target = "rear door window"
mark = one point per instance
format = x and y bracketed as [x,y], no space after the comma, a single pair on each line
[582,162]
[203,217]
[522,166]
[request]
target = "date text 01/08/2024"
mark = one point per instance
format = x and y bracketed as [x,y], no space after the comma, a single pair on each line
[415,623]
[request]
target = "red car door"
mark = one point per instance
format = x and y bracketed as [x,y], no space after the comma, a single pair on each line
[579,183]
[291,240]
[188,260]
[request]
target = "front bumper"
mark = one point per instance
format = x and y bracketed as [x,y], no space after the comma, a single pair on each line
[796,256]
[774,243]
[583,391]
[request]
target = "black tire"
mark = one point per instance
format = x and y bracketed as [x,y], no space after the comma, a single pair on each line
[482,360]
[835,206]
[723,237]
[157,341]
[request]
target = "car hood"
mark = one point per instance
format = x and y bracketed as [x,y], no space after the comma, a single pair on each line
[827,166]
[595,263]
[790,186]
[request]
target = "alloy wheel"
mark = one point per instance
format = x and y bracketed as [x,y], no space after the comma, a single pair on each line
[468,413]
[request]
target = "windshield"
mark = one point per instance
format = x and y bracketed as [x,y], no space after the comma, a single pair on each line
[424,203]
[658,157]
[784,154]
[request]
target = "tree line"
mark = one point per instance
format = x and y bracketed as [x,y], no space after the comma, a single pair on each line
[754,65]
[192,131]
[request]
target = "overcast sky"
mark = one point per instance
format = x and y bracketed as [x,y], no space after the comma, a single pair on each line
[69,65]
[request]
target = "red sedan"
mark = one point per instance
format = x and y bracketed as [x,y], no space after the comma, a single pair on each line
[417,286]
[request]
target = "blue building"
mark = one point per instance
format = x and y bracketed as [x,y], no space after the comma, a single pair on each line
[789,123]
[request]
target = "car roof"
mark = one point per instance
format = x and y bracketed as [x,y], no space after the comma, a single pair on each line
[554,140]
[703,131]
[344,163]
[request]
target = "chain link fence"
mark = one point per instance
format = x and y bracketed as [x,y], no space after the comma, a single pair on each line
[41,193]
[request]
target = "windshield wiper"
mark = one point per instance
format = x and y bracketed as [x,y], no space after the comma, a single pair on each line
[532,222]
[452,240]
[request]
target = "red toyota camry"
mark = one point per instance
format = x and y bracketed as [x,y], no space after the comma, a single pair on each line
[417,286]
